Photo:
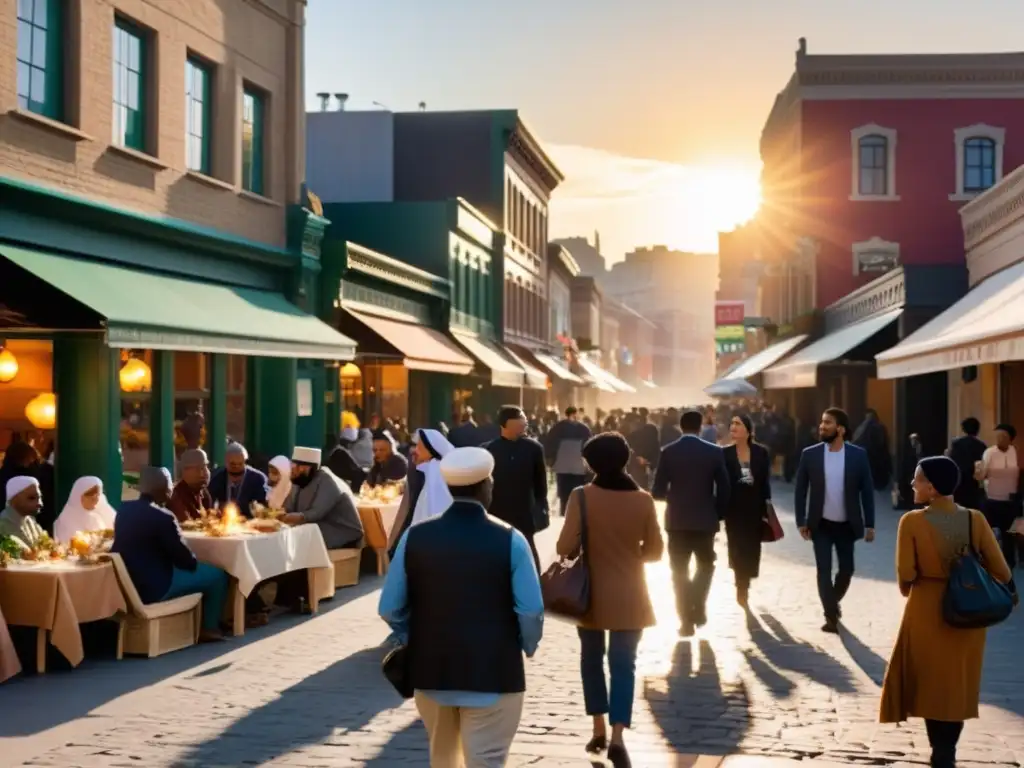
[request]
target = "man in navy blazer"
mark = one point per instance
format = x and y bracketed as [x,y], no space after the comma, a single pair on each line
[238,483]
[837,476]
[692,478]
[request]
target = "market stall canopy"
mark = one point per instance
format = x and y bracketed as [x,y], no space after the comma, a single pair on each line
[557,368]
[731,388]
[985,326]
[146,310]
[504,372]
[758,362]
[535,379]
[421,348]
[602,379]
[801,370]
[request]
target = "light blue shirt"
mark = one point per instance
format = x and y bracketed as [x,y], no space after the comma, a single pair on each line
[529,607]
[835,483]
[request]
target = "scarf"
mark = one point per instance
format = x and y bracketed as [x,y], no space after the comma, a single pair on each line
[75,518]
[435,498]
[279,493]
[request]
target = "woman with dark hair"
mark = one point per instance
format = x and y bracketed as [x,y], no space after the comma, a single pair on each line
[622,534]
[749,467]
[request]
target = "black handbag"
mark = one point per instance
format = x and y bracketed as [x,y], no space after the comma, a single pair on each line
[974,599]
[565,585]
[396,669]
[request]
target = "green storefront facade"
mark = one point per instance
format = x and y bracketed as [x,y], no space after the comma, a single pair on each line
[106,290]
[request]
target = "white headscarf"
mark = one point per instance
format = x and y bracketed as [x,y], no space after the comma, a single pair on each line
[435,498]
[19,483]
[75,518]
[279,493]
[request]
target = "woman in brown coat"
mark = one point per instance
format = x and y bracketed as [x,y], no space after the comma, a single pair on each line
[622,534]
[935,669]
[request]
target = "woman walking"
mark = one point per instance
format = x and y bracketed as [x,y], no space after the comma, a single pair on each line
[622,534]
[935,669]
[749,468]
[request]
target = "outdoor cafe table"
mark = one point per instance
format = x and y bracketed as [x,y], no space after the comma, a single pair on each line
[378,520]
[252,557]
[57,597]
[9,663]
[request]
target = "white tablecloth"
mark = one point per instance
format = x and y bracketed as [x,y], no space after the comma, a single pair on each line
[372,511]
[252,558]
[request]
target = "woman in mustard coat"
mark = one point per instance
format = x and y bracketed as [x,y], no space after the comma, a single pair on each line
[935,669]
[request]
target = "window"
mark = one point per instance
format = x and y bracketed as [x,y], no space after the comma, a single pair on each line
[129,121]
[874,163]
[197,116]
[40,86]
[979,159]
[252,142]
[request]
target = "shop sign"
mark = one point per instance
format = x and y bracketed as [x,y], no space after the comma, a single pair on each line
[729,313]
[361,294]
[730,339]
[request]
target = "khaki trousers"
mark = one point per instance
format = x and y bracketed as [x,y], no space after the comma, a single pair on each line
[470,737]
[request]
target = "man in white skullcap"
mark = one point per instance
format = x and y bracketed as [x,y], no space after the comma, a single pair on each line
[24,500]
[463,595]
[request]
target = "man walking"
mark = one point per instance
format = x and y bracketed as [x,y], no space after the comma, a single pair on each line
[564,444]
[463,595]
[691,476]
[837,475]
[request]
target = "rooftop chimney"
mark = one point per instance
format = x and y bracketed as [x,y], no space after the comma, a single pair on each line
[342,98]
[801,47]
[325,101]
[423,106]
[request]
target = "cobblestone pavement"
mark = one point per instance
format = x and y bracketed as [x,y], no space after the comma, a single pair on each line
[309,692]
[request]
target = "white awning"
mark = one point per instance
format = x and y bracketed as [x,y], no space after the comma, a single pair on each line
[602,379]
[756,363]
[557,368]
[985,326]
[801,370]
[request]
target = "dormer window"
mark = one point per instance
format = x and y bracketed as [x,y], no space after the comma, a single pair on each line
[874,163]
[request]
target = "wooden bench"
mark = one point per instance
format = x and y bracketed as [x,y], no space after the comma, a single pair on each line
[158,628]
[346,566]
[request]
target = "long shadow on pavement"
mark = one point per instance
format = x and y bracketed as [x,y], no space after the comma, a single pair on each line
[698,711]
[784,652]
[406,748]
[35,703]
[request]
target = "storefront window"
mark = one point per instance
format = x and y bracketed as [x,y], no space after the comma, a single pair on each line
[191,400]
[136,382]
[351,388]
[386,391]
[27,407]
[237,365]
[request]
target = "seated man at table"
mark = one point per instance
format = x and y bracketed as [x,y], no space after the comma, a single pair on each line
[192,493]
[237,483]
[389,466]
[158,559]
[24,501]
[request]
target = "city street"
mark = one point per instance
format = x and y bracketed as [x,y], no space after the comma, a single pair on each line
[309,692]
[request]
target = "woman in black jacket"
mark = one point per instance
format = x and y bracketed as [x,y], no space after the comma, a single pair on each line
[749,467]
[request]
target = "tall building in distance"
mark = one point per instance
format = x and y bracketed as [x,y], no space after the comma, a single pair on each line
[588,256]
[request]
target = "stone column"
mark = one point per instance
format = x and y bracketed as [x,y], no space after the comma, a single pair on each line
[161,411]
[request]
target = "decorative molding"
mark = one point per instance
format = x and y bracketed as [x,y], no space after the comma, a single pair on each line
[369,262]
[364,296]
[890,136]
[880,295]
[875,255]
[525,147]
[976,131]
[993,210]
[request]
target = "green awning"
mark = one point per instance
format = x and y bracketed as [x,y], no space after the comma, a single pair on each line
[146,310]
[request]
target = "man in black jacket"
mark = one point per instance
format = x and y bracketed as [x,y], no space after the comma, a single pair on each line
[967,450]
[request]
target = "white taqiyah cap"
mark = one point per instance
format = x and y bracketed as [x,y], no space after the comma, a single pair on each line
[466,466]
[306,455]
[20,483]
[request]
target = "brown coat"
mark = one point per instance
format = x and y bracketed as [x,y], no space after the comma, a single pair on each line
[623,533]
[935,669]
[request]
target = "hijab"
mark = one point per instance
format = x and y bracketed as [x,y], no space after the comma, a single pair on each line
[435,498]
[279,493]
[75,518]
[607,455]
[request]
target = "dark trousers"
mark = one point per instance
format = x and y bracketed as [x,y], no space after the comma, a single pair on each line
[826,537]
[691,592]
[1001,514]
[943,737]
[565,485]
[621,650]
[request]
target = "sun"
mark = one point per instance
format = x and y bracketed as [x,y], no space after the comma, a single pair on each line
[706,200]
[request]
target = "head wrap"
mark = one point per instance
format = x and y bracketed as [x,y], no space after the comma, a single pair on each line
[303,455]
[193,457]
[20,483]
[236,449]
[942,472]
[435,443]
[75,518]
[154,479]
[435,497]
[279,493]
[466,466]
[607,455]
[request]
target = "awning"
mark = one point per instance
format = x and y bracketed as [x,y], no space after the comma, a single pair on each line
[535,379]
[768,356]
[602,379]
[146,310]
[504,372]
[557,368]
[985,326]
[801,370]
[422,348]
[648,383]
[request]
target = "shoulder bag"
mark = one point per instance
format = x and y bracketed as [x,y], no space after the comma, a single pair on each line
[771,528]
[974,599]
[395,667]
[565,585]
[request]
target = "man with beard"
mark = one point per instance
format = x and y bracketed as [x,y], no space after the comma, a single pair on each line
[237,483]
[837,476]
[323,499]
[192,493]
[520,477]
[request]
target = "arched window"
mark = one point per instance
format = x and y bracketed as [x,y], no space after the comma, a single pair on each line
[873,160]
[979,163]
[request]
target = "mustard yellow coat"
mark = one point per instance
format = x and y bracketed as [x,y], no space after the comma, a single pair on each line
[935,669]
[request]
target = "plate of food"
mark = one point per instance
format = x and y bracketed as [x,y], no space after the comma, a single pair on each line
[265,525]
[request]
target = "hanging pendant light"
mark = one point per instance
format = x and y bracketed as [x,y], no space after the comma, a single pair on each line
[8,365]
[41,411]
[136,376]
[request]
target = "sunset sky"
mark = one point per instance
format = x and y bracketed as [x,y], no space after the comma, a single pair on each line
[652,108]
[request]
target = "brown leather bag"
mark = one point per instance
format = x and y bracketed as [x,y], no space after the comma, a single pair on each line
[565,585]
[771,528]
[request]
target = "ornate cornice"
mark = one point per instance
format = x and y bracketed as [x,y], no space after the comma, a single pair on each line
[369,262]
[526,148]
[993,210]
[887,292]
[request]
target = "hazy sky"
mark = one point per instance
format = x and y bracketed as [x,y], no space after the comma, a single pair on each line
[652,108]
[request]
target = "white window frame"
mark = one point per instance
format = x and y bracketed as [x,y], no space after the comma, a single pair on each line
[874,245]
[889,134]
[976,131]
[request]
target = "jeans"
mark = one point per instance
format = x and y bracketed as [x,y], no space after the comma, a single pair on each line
[621,650]
[211,581]
[566,484]
[692,593]
[825,537]
[943,737]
